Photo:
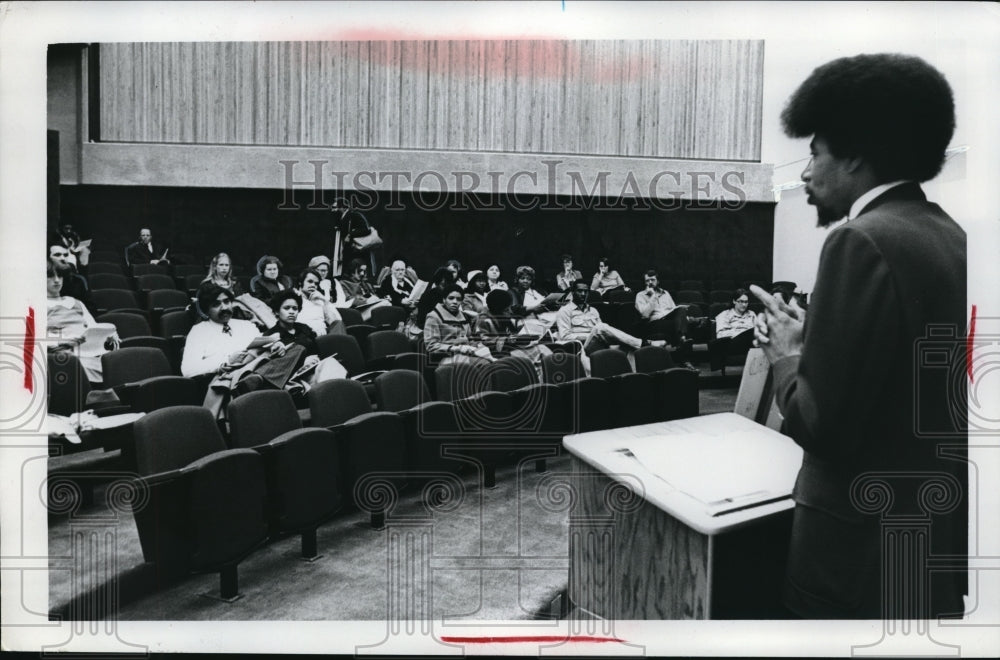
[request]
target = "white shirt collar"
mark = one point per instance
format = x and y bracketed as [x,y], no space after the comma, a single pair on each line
[861,202]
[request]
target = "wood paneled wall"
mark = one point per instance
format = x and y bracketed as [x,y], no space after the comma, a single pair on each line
[666,99]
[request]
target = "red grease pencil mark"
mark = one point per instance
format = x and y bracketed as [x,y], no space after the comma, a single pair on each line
[29,349]
[969,342]
[530,639]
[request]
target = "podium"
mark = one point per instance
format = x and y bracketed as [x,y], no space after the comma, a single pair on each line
[686,519]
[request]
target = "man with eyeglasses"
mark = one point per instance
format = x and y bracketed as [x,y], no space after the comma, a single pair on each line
[660,316]
[733,330]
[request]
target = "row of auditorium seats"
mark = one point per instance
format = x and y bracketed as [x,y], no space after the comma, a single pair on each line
[208,505]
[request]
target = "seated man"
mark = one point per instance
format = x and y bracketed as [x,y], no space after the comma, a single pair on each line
[144,251]
[398,285]
[73,284]
[733,330]
[79,255]
[580,322]
[661,317]
[317,312]
[219,344]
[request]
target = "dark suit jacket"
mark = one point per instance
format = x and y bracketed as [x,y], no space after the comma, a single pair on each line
[137,253]
[386,290]
[871,411]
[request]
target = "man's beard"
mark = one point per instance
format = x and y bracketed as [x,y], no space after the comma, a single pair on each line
[825,215]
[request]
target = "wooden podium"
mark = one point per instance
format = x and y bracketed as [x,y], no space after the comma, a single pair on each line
[687,519]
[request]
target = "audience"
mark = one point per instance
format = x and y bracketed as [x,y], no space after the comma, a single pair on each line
[733,330]
[397,285]
[531,303]
[661,317]
[502,331]
[579,321]
[474,302]
[269,279]
[74,285]
[447,331]
[455,266]
[493,277]
[606,279]
[144,251]
[68,319]
[314,310]
[565,279]
[220,272]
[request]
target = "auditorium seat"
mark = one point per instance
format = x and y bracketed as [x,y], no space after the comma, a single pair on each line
[620,296]
[133,364]
[484,424]
[256,418]
[350,316]
[691,285]
[153,281]
[302,469]
[561,368]
[174,327]
[128,324]
[400,390]
[68,384]
[190,283]
[388,317]
[685,296]
[102,280]
[609,362]
[166,299]
[458,380]
[345,350]
[410,360]
[588,400]
[170,438]
[105,256]
[427,428]
[511,373]
[335,401]
[384,343]
[104,267]
[717,308]
[720,296]
[677,392]
[649,359]
[159,392]
[360,331]
[633,400]
[542,410]
[373,455]
[114,300]
[148,269]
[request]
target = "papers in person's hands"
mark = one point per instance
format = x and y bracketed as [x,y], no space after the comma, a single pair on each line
[94,339]
[417,292]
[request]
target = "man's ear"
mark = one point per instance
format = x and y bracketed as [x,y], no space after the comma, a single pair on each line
[854,164]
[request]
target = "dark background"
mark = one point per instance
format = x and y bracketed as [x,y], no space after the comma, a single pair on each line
[684,243]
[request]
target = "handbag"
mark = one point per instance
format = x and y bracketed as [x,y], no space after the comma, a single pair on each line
[367,242]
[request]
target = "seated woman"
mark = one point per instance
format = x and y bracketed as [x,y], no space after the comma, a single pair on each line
[733,330]
[69,320]
[530,303]
[359,291]
[475,293]
[499,327]
[331,289]
[220,272]
[269,280]
[565,279]
[455,266]
[447,331]
[493,277]
[286,305]
[434,294]
[606,279]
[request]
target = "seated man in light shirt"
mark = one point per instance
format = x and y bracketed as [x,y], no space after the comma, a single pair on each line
[220,343]
[733,330]
[659,315]
[579,321]
[317,312]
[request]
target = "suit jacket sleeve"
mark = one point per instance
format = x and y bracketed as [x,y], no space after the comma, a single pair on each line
[850,330]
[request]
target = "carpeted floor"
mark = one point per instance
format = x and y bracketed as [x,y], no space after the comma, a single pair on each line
[490,554]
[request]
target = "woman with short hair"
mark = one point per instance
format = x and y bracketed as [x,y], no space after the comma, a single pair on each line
[269,279]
